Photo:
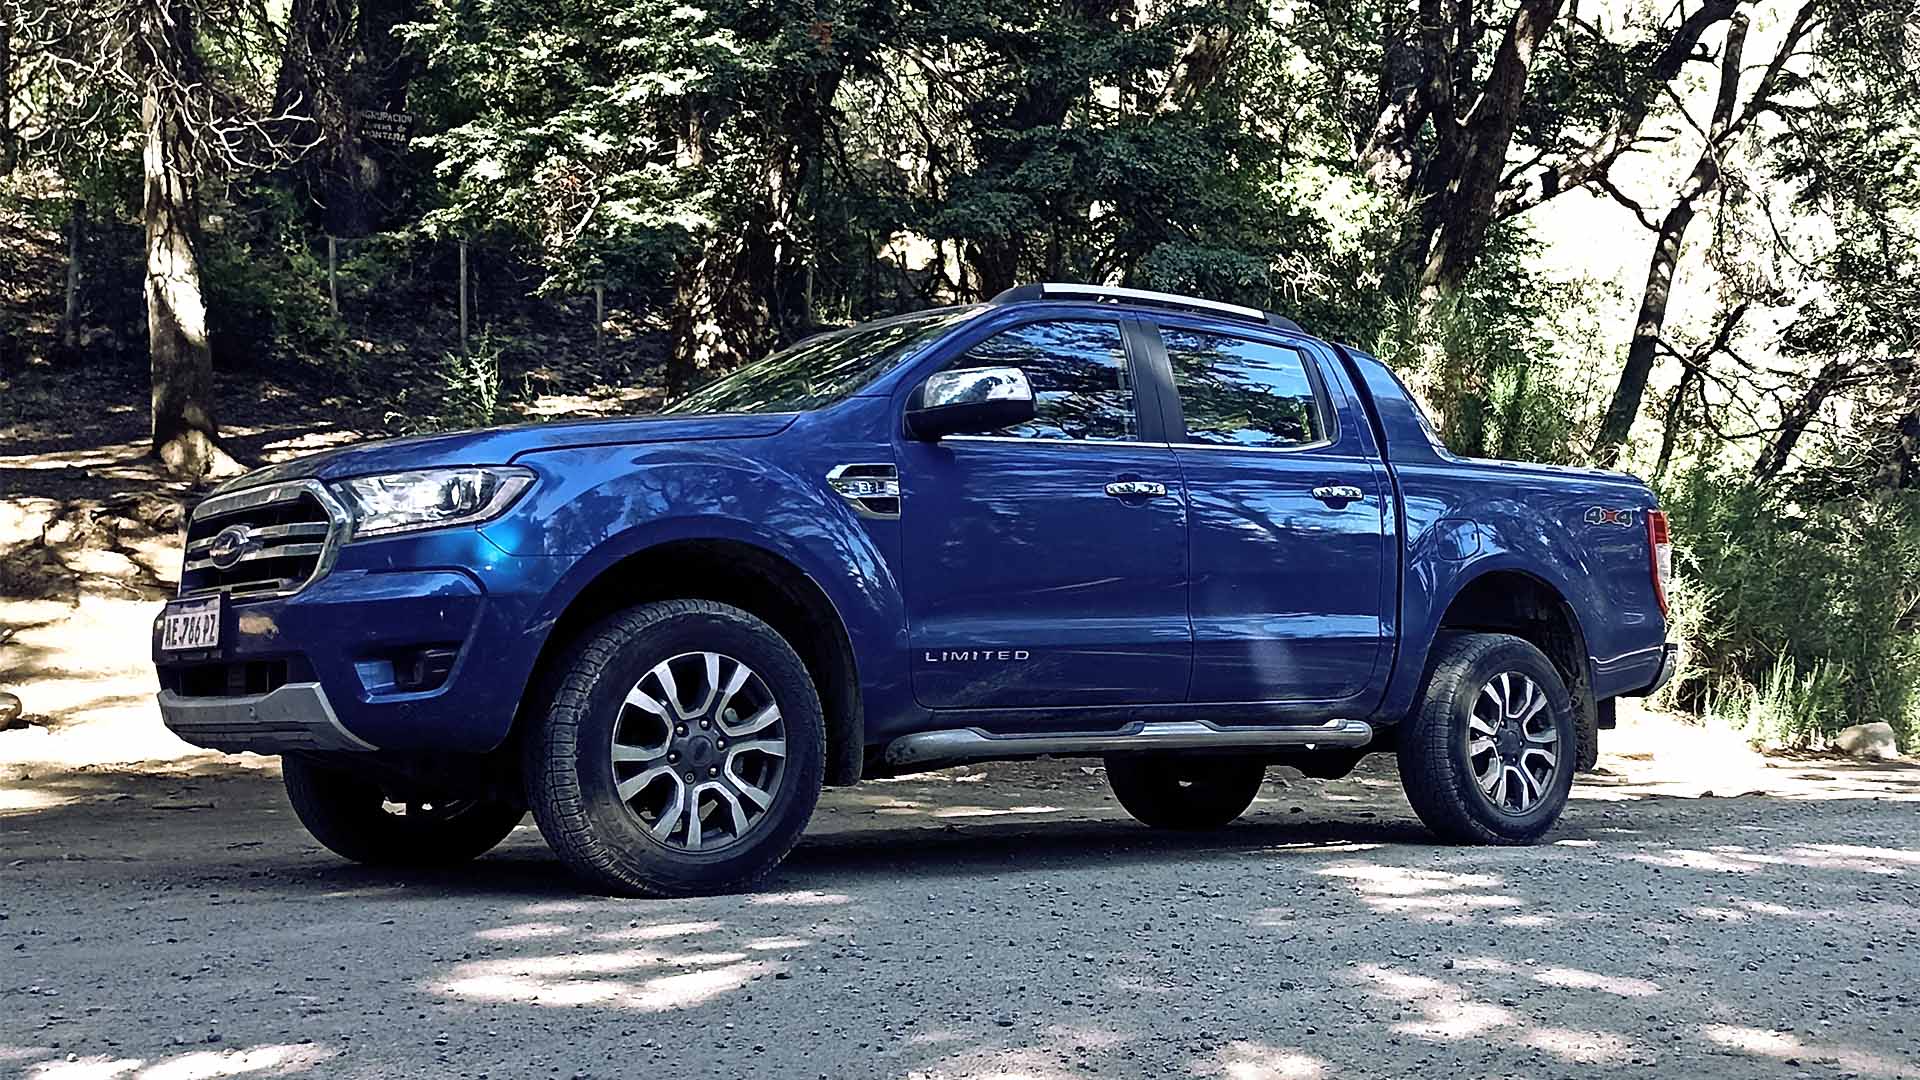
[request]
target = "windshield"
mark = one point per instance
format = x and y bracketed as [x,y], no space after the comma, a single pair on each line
[822,369]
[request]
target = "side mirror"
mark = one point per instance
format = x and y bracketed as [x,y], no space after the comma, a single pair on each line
[972,401]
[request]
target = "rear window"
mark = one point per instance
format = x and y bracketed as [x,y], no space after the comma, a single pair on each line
[1235,392]
[822,369]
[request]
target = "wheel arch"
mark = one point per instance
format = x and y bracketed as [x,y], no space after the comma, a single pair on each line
[1512,600]
[742,573]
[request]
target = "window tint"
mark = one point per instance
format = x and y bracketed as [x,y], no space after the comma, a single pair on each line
[1242,393]
[1078,369]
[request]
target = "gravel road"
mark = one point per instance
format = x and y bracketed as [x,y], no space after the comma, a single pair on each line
[1005,921]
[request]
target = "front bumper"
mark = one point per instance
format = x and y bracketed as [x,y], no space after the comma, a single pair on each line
[322,669]
[296,716]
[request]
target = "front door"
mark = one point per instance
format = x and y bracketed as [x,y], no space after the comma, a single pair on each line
[1291,572]
[1046,565]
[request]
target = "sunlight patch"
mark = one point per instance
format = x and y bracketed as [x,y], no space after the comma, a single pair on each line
[1585,1047]
[274,1060]
[1258,1061]
[991,811]
[1450,1014]
[661,930]
[552,985]
[1618,985]
[800,898]
[1779,1044]
[523,932]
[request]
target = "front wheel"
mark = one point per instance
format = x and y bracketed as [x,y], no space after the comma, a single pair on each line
[1489,757]
[356,820]
[1175,791]
[681,751]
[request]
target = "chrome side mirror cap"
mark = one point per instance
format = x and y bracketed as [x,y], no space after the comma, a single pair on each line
[971,401]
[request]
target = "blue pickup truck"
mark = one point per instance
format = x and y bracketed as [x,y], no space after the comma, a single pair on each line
[1178,534]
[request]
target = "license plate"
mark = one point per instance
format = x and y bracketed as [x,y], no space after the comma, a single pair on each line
[186,625]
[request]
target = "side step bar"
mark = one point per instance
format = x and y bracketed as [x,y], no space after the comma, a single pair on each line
[956,745]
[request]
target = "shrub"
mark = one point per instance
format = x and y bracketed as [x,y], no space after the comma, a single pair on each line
[1804,620]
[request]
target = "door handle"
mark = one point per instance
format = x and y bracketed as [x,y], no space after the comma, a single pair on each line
[1128,489]
[1340,494]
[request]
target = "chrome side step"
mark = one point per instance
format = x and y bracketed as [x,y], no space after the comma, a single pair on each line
[956,745]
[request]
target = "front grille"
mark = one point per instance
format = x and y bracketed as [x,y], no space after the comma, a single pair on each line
[243,679]
[272,539]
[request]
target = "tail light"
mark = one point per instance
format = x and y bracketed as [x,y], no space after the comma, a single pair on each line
[1659,555]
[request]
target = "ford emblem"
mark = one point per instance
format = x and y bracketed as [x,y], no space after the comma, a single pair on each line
[227,547]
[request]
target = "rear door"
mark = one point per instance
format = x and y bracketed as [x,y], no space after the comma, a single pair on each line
[1031,580]
[1291,578]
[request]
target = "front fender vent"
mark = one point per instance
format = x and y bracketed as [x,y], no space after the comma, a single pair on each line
[874,490]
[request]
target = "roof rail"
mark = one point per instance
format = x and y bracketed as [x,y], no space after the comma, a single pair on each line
[1052,290]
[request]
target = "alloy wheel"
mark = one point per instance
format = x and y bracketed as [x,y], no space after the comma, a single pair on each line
[698,751]
[1512,743]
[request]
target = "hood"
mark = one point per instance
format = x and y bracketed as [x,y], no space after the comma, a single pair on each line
[500,446]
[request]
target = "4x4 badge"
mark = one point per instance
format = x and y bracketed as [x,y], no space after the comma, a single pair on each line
[1605,515]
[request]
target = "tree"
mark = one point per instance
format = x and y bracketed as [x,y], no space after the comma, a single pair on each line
[1730,120]
[1443,129]
[103,65]
[341,60]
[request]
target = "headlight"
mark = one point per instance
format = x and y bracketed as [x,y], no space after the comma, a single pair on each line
[430,498]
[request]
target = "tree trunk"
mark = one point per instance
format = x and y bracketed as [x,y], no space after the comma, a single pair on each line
[70,315]
[1477,143]
[718,318]
[1796,417]
[1199,65]
[9,139]
[343,57]
[1387,156]
[1902,468]
[1647,328]
[1676,410]
[184,435]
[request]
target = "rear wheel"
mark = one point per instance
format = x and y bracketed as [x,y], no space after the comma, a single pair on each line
[1489,758]
[1173,791]
[356,820]
[681,751]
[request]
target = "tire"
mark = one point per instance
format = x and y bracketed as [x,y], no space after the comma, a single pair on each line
[349,815]
[1176,791]
[1465,790]
[612,720]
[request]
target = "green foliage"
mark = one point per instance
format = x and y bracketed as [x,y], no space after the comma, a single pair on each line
[1805,620]
[1785,707]
[1489,366]
[472,386]
[265,284]
[468,394]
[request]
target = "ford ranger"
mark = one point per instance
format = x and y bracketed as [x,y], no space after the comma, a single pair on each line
[1181,535]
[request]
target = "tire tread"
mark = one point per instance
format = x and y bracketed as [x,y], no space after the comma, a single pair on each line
[1434,786]
[551,755]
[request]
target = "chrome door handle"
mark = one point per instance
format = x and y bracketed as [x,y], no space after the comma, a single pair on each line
[1340,493]
[1125,489]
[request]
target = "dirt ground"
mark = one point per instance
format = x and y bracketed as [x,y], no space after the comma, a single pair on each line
[1700,912]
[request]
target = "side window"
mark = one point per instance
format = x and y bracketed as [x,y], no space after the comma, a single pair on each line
[1078,368]
[1235,392]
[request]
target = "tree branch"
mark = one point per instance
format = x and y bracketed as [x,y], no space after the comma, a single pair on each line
[1598,159]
